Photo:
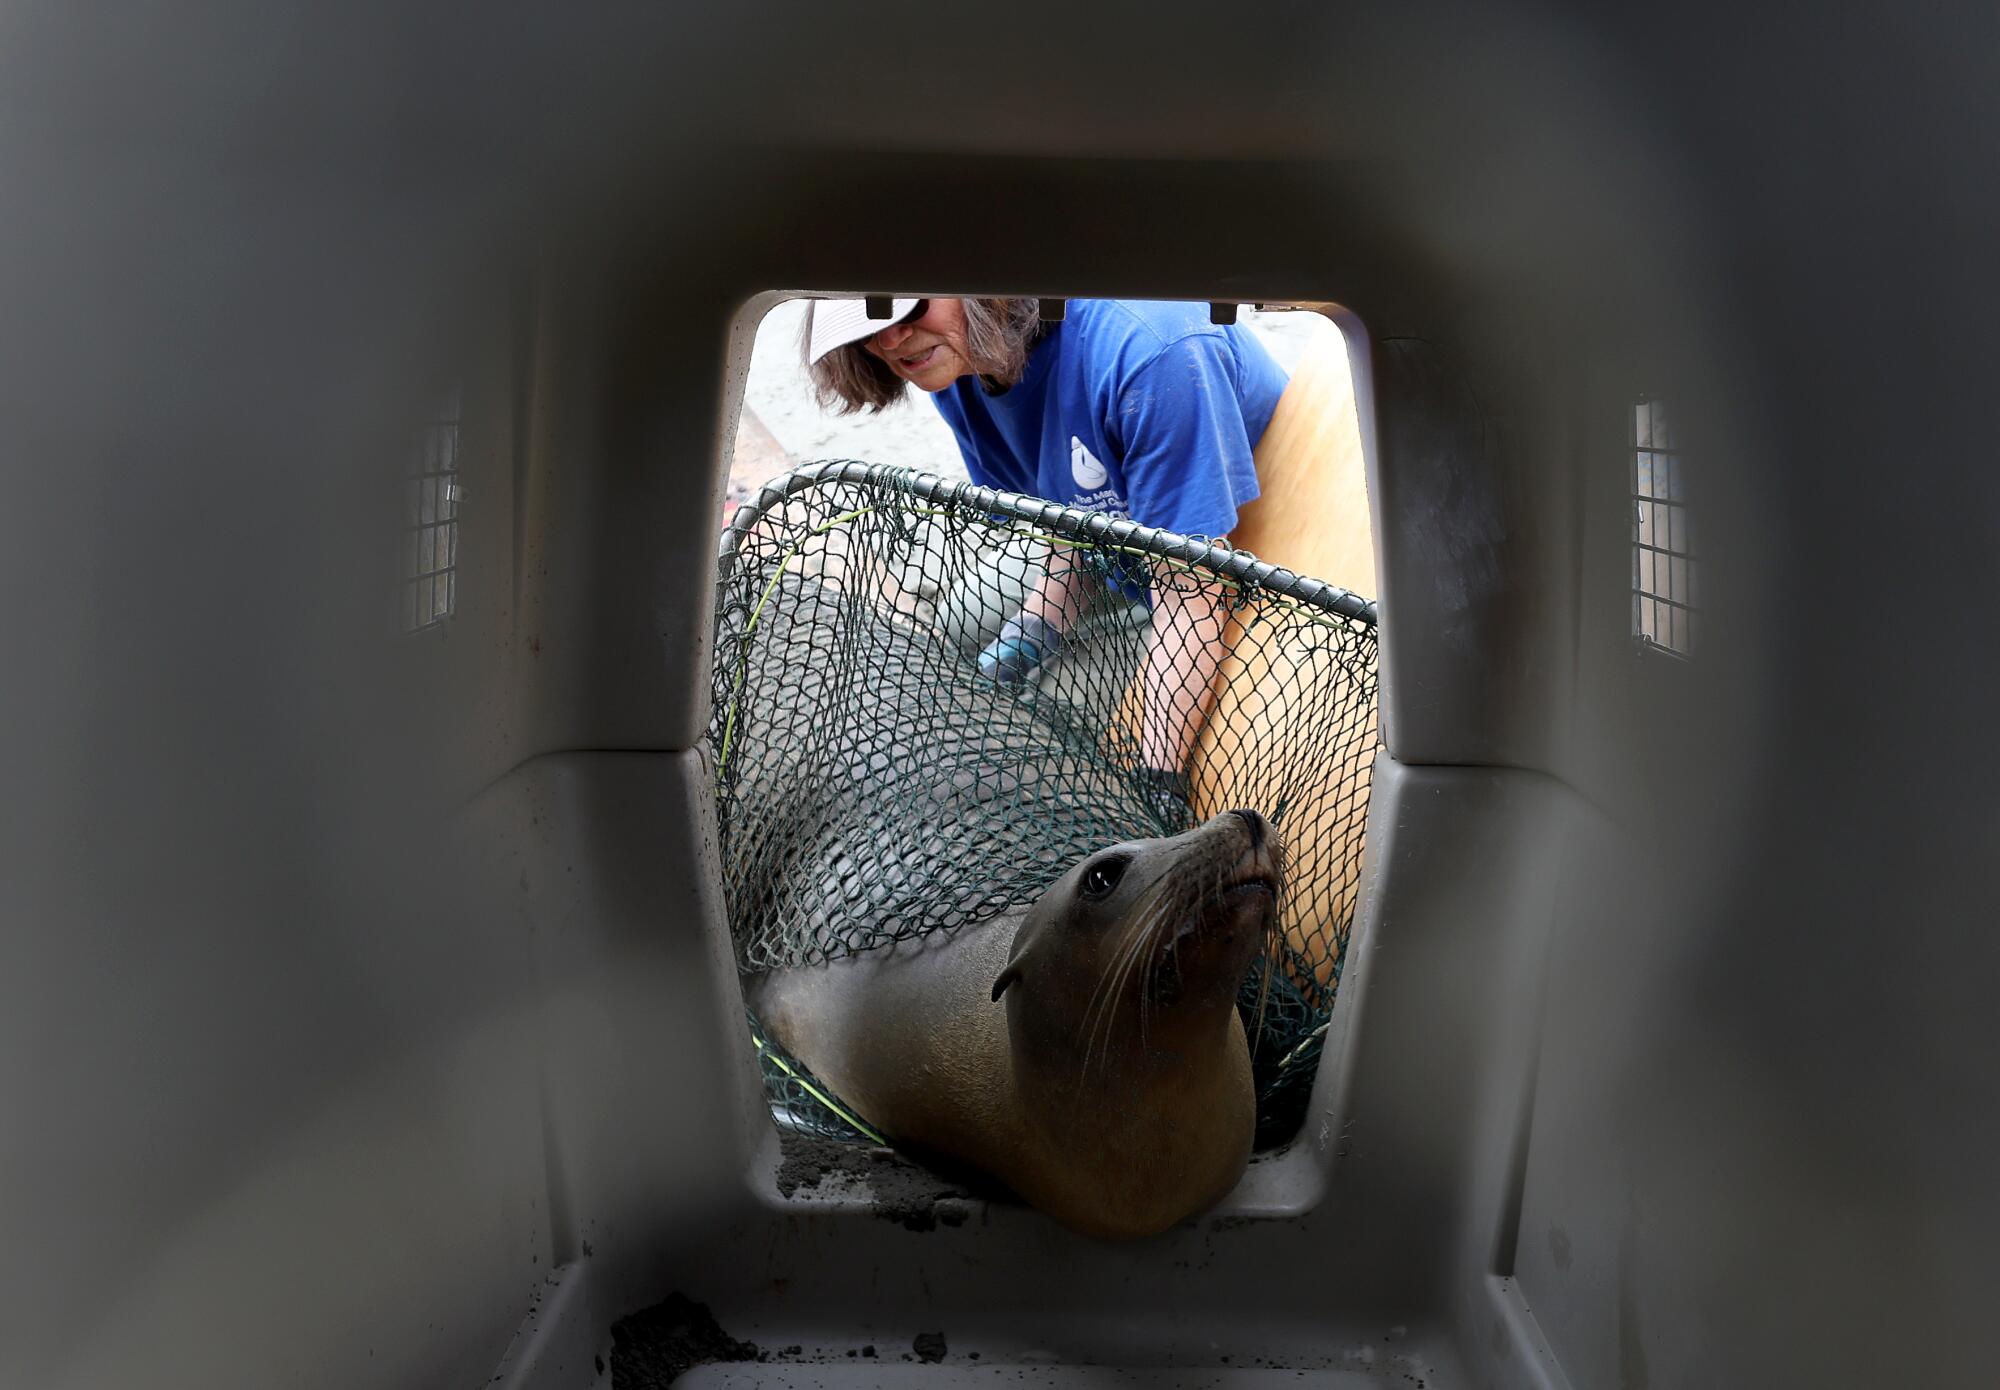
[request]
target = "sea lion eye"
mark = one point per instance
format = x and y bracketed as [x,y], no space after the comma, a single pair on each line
[1100,878]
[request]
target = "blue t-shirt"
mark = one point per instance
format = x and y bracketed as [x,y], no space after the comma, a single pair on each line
[1139,409]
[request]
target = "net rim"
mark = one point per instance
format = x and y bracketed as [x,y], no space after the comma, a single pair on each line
[1218,557]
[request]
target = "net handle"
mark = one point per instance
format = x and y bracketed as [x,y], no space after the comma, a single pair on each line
[1093,527]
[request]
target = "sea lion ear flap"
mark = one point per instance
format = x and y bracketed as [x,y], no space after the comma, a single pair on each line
[1012,970]
[1025,937]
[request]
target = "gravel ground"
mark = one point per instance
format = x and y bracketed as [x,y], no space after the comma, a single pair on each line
[783,426]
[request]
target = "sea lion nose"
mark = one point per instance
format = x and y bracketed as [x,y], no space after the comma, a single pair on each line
[1254,823]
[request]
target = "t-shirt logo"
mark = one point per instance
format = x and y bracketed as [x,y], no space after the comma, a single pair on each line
[1085,468]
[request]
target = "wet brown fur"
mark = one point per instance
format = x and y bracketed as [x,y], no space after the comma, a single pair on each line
[1084,1051]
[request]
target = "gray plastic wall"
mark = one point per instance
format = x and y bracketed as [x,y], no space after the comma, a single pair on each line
[365,1015]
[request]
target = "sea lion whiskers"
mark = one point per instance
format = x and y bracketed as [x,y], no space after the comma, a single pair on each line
[1102,1022]
[1266,963]
[1103,1001]
[1189,892]
[1274,936]
[1145,948]
[1158,942]
[1210,874]
[1103,997]
[1136,953]
[1154,913]
[1126,952]
[1205,881]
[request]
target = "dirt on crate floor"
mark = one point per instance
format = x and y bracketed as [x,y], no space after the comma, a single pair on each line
[654,1347]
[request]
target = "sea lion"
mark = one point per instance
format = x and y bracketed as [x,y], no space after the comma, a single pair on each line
[1085,1049]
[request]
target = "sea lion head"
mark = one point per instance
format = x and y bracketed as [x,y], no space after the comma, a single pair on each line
[1141,948]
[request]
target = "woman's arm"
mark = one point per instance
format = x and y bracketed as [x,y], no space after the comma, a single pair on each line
[1183,655]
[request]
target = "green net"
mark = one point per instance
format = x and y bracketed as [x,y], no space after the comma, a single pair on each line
[876,779]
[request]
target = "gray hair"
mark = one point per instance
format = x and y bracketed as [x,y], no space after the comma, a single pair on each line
[998,336]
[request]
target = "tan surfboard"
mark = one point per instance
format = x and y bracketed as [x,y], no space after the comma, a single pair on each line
[1311,513]
[1311,516]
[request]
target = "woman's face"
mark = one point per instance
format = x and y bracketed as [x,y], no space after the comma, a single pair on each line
[927,351]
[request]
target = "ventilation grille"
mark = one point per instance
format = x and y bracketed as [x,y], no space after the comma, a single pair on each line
[1665,578]
[430,543]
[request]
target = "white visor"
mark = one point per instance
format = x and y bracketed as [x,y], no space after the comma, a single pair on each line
[838,322]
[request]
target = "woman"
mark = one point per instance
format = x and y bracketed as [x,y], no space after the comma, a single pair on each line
[1139,409]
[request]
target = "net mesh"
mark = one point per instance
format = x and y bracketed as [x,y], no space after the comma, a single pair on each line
[886,766]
